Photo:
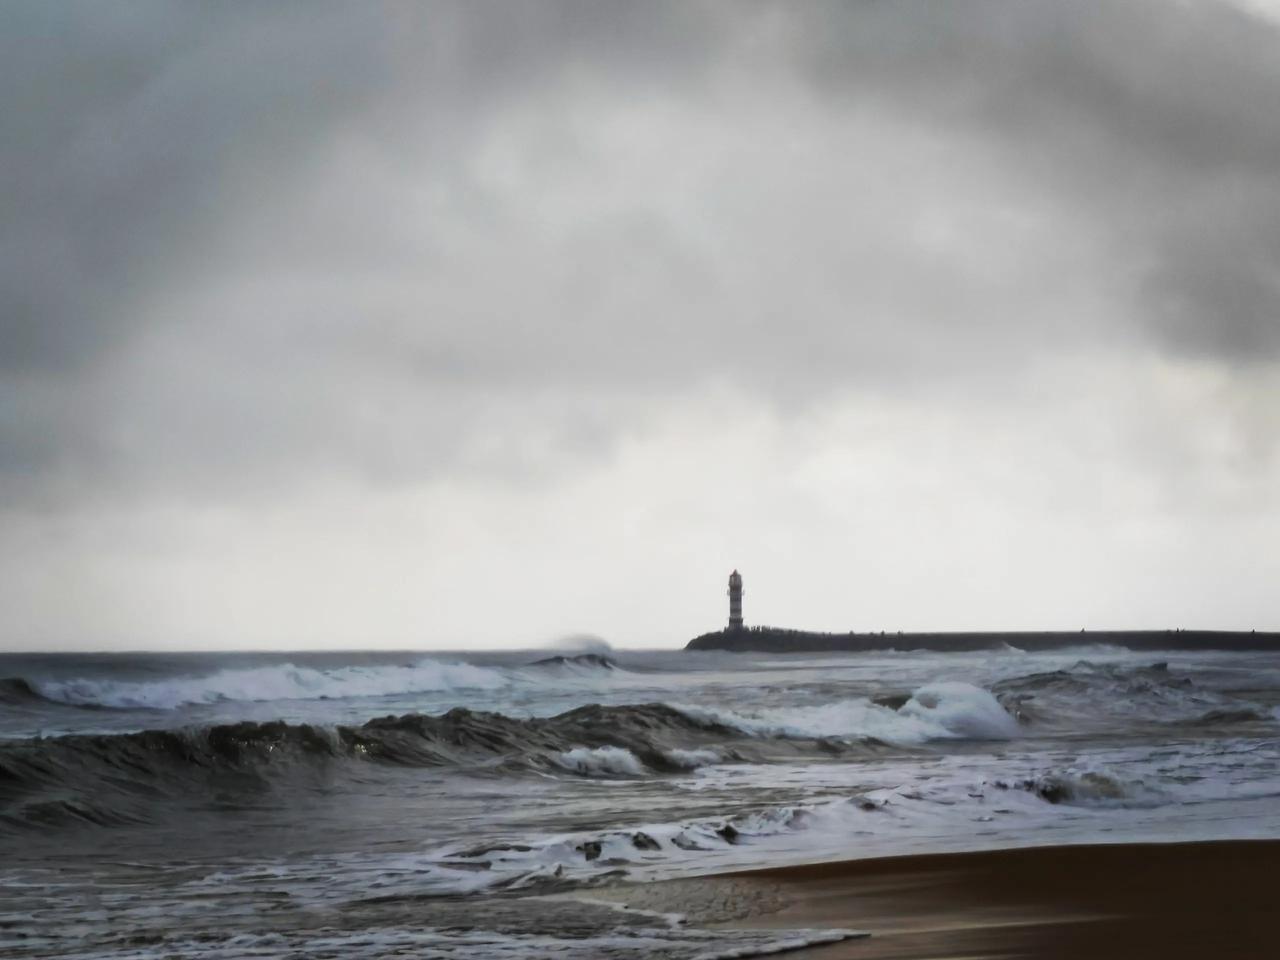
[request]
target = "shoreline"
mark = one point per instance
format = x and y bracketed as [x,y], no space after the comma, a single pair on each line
[1212,898]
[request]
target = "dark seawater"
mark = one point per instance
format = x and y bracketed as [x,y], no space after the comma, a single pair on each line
[441,805]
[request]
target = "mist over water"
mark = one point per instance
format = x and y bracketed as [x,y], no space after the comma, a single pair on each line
[371,790]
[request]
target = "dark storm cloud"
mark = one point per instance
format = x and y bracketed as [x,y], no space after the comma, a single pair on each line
[126,128]
[137,139]
[161,164]
[1156,117]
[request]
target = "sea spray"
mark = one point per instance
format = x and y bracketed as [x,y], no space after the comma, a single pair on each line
[960,710]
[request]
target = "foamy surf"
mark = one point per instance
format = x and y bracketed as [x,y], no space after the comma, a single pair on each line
[277,682]
[937,711]
[601,761]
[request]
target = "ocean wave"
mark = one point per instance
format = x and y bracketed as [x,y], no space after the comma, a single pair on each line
[18,690]
[1088,693]
[1092,788]
[189,764]
[114,777]
[960,710]
[601,762]
[284,681]
[693,759]
[937,711]
[591,665]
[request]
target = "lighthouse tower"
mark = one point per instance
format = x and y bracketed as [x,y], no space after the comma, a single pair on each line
[735,601]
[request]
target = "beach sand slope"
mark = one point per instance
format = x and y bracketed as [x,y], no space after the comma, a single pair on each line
[1202,900]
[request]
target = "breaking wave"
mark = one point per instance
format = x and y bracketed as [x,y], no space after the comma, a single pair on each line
[601,761]
[693,759]
[277,682]
[937,711]
[113,777]
[287,681]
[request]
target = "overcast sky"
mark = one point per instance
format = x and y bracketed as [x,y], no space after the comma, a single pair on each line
[480,324]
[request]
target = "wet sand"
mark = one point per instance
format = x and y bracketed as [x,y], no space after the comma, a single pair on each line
[1204,900]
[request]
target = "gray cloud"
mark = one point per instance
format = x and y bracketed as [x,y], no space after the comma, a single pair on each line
[1153,118]
[247,251]
[156,155]
[126,132]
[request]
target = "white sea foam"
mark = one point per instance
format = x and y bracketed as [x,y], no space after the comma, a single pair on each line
[961,710]
[601,761]
[936,711]
[692,759]
[284,681]
[786,944]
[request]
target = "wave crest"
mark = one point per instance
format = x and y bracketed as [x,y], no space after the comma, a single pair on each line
[284,681]
[601,762]
[936,711]
[129,772]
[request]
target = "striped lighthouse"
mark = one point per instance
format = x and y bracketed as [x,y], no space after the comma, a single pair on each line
[735,601]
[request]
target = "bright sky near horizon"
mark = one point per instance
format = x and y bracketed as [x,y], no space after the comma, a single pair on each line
[481,324]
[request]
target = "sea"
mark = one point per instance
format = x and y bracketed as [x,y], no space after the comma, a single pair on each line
[474,805]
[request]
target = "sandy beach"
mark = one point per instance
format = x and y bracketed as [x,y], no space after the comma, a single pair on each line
[1202,900]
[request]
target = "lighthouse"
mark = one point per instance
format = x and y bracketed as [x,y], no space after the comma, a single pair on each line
[735,601]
